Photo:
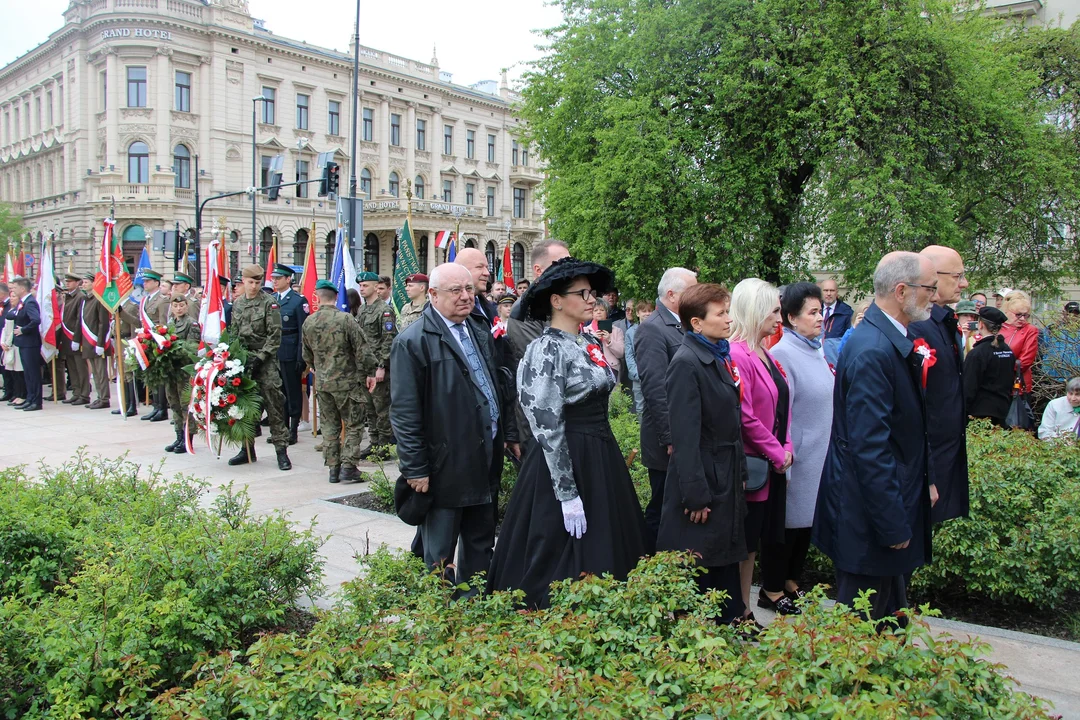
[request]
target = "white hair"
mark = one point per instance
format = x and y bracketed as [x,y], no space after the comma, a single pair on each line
[752,301]
[443,273]
[900,267]
[1073,385]
[675,279]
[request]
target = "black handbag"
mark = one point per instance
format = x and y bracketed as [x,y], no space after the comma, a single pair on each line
[1020,415]
[757,472]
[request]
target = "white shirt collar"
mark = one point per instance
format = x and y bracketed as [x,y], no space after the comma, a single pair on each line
[672,313]
[896,323]
[23,298]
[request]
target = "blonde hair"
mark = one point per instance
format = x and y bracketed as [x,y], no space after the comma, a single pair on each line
[752,301]
[862,307]
[1016,296]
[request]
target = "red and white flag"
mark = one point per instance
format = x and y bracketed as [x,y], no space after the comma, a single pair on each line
[271,260]
[49,304]
[443,238]
[9,268]
[212,312]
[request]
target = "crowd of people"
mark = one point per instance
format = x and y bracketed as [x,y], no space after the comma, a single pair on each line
[770,418]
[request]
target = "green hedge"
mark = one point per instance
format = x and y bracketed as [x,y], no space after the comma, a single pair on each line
[114,582]
[397,647]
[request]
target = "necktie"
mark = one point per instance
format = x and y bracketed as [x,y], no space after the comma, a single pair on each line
[828,314]
[481,376]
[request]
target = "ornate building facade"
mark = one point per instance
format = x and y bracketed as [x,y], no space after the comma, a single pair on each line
[135,103]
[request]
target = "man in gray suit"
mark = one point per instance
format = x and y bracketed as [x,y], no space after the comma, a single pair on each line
[655,343]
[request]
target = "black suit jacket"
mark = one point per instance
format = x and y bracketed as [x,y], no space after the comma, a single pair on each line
[945,404]
[875,489]
[839,321]
[655,344]
[440,415]
[294,311]
[27,318]
[484,312]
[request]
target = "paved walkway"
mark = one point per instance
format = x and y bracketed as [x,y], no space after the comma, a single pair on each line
[1044,667]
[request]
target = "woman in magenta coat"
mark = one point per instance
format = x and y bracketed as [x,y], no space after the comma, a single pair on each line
[766,406]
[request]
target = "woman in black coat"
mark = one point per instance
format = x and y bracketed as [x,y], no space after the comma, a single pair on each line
[704,506]
[989,370]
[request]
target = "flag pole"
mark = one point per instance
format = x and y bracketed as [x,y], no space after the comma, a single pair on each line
[314,413]
[121,380]
[55,390]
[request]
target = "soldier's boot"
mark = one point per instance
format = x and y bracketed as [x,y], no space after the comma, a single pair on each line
[349,474]
[294,427]
[160,415]
[258,430]
[335,474]
[181,439]
[241,458]
[283,462]
[178,443]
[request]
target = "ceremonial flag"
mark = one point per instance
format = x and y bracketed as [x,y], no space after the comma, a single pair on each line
[212,312]
[442,238]
[9,268]
[407,265]
[112,284]
[311,271]
[271,260]
[506,272]
[20,264]
[451,254]
[343,271]
[144,264]
[49,304]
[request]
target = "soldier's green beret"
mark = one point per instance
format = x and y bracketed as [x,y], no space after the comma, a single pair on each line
[325,285]
[366,277]
[182,278]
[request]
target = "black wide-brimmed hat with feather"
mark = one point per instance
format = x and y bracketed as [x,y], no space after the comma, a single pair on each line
[537,299]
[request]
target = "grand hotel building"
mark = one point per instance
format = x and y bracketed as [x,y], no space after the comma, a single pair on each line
[121,103]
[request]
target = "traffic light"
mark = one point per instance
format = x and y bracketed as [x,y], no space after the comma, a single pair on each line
[329,183]
[275,176]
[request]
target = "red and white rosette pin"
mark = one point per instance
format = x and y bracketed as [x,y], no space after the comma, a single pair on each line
[596,354]
[928,355]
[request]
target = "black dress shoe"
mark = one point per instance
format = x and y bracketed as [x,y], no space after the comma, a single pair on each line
[283,462]
[160,415]
[21,406]
[241,458]
[13,402]
[781,606]
[335,474]
[31,408]
[150,415]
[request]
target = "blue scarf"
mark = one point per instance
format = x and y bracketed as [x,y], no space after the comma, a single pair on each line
[720,350]
[815,344]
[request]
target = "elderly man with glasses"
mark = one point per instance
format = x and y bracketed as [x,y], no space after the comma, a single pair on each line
[944,386]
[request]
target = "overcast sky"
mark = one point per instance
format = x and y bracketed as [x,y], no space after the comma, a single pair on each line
[474,38]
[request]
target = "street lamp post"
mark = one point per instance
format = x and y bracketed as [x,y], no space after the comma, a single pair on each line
[254,180]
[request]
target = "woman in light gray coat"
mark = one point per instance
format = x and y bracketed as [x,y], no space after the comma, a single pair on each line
[810,378]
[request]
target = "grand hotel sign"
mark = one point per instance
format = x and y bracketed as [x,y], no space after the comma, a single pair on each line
[145,33]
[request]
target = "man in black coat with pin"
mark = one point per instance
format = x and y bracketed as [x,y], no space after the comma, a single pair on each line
[27,337]
[655,344]
[873,508]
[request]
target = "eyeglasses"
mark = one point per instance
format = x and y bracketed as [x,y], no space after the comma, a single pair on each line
[584,293]
[954,276]
[932,288]
[457,289]
[1021,316]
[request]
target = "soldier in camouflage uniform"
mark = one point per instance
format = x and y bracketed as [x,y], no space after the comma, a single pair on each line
[184,327]
[379,326]
[416,288]
[256,322]
[333,346]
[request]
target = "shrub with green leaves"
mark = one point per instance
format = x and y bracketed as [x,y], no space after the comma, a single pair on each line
[115,579]
[649,647]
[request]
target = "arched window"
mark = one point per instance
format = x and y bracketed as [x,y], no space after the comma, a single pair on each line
[470,242]
[299,246]
[138,162]
[517,259]
[365,183]
[421,253]
[490,252]
[371,253]
[418,187]
[182,166]
[265,243]
[395,184]
[331,243]
[133,240]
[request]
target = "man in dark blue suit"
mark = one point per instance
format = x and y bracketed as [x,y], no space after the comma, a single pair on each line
[27,337]
[944,387]
[873,508]
[294,311]
[836,314]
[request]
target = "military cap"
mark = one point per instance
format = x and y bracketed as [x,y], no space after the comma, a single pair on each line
[151,275]
[281,271]
[417,278]
[367,277]
[966,307]
[253,271]
[993,315]
[182,278]
[507,300]
[73,276]
[88,276]
[325,285]
[223,279]
[180,298]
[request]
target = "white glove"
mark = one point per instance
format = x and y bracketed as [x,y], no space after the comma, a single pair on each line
[75,347]
[573,514]
[100,351]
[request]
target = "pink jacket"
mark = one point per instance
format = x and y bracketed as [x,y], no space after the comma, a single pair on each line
[759,411]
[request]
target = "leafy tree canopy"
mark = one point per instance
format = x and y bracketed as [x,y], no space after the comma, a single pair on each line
[771,137]
[11,229]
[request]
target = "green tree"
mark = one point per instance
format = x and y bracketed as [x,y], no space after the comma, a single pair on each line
[766,137]
[11,229]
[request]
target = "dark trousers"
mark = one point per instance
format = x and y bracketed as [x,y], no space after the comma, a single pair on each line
[31,362]
[18,384]
[781,562]
[290,386]
[656,502]
[441,531]
[890,592]
[9,384]
[726,578]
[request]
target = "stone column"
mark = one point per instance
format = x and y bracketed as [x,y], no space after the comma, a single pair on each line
[113,84]
[384,146]
[163,109]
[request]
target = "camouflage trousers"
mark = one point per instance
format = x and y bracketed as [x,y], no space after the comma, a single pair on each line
[377,412]
[336,409]
[174,398]
[273,402]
